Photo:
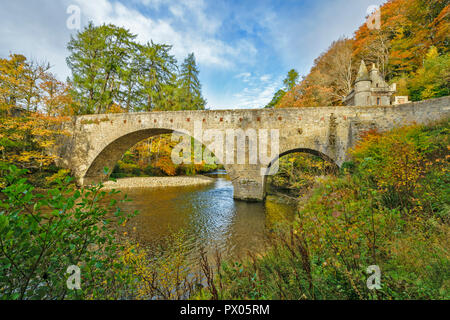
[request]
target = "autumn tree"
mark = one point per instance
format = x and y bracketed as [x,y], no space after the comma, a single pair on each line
[329,80]
[337,67]
[400,48]
[18,82]
[56,97]
[12,74]
[408,29]
[433,79]
[289,83]
[29,86]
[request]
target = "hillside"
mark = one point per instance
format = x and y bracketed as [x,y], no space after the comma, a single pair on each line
[411,49]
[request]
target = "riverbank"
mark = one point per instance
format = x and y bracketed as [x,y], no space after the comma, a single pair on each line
[157,182]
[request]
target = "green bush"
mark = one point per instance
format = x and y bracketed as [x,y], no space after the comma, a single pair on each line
[42,234]
[393,212]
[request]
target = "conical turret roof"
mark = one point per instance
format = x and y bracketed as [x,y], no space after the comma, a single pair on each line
[363,74]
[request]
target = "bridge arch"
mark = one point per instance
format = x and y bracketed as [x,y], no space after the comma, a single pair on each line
[113,152]
[303,150]
[313,152]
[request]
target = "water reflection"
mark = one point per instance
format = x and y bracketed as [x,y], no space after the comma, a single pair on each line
[209,216]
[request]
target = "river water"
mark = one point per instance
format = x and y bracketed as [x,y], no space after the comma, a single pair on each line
[208,216]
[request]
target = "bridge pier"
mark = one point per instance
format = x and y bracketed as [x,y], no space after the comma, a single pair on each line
[248,182]
[248,190]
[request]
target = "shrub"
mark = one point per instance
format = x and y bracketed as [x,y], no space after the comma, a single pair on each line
[393,211]
[41,235]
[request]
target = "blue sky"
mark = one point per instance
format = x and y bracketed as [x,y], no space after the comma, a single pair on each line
[244,49]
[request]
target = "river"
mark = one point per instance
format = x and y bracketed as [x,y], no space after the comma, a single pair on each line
[208,216]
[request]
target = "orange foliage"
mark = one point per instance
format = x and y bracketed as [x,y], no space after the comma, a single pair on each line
[166,165]
[304,95]
[26,85]
[56,97]
[409,28]
[115,108]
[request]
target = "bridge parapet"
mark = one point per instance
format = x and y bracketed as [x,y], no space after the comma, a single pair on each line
[99,141]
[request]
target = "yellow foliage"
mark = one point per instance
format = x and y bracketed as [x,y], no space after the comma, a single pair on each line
[26,141]
[159,276]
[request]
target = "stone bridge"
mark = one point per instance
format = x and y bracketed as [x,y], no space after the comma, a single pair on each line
[99,141]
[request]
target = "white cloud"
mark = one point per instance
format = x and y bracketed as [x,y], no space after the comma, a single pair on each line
[301,39]
[188,29]
[265,77]
[177,11]
[36,29]
[243,75]
[258,93]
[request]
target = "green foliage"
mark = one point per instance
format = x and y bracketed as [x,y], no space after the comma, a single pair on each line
[99,60]
[389,207]
[190,86]
[297,173]
[289,83]
[407,166]
[61,175]
[155,69]
[42,234]
[291,79]
[276,99]
[162,273]
[25,142]
[432,80]
[111,72]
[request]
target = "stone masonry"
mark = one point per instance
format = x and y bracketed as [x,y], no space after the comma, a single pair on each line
[98,141]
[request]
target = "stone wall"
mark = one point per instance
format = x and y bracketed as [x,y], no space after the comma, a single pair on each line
[98,141]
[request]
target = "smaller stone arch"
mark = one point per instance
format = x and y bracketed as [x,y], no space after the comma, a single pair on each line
[303,150]
[298,150]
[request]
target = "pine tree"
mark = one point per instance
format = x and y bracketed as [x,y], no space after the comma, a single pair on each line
[291,79]
[276,99]
[289,83]
[156,69]
[99,59]
[190,87]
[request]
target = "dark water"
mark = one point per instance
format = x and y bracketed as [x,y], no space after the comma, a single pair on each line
[208,216]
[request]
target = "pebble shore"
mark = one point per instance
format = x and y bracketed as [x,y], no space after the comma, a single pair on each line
[157,182]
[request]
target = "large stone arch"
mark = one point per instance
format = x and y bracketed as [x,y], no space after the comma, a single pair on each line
[112,153]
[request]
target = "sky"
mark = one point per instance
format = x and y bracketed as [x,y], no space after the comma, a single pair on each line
[243,48]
